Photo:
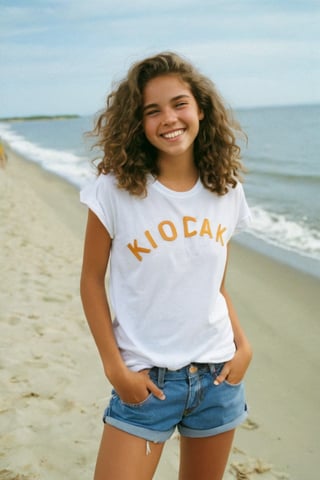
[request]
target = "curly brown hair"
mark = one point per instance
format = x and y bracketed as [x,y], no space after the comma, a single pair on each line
[130,156]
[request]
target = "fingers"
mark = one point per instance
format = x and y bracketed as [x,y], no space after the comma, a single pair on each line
[152,387]
[223,375]
[155,390]
[138,389]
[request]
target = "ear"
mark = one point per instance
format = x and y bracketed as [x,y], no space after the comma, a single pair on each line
[201,115]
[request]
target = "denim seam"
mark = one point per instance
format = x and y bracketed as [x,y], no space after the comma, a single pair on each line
[194,433]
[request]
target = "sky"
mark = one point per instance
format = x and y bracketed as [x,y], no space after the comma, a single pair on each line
[63,56]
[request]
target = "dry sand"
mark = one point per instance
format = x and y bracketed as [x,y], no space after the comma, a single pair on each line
[53,389]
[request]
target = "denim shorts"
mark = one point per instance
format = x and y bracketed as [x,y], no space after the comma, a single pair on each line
[193,404]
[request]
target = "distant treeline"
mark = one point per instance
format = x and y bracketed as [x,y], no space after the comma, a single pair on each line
[38,117]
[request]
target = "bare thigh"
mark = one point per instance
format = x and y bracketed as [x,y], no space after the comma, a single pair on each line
[205,458]
[125,457]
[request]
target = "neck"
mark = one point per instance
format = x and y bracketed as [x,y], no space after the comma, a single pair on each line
[177,174]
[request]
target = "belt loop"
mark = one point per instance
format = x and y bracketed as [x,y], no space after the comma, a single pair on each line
[212,367]
[161,375]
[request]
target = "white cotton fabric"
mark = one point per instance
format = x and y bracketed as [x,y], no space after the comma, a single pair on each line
[167,262]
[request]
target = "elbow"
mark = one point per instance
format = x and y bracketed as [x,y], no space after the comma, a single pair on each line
[83,287]
[89,284]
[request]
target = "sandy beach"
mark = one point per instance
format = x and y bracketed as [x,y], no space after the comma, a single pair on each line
[53,389]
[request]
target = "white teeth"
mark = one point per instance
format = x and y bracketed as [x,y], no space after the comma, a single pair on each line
[173,134]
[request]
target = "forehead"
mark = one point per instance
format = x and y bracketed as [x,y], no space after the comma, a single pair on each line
[164,88]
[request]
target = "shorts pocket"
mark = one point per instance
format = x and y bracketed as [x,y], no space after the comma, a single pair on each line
[234,385]
[216,369]
[135,405]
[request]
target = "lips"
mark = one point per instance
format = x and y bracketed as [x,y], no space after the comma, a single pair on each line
[173,134]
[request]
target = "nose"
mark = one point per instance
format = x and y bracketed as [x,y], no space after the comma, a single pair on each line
[169,117]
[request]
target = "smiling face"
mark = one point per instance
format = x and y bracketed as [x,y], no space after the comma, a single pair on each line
[171,117]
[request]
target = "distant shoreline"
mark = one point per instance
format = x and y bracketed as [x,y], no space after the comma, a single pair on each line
[39,117]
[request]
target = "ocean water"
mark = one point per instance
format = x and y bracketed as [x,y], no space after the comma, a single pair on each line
[282,183]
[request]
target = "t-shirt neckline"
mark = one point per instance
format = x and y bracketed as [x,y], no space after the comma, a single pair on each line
[173,193]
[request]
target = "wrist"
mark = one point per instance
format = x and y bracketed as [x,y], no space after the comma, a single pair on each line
[115,372]
[245,347]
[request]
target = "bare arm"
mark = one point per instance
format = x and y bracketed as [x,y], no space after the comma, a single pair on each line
[132,387]
[235,369]
[93,294]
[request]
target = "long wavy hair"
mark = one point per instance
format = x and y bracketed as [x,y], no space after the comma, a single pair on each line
[128,154]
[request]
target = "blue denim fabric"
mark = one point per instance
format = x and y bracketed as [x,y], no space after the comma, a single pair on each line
[193,404]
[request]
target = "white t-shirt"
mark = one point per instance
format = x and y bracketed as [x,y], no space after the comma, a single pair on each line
[167,262]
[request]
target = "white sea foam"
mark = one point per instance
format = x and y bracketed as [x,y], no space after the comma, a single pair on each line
[294,235]
[72,167]
[281,232]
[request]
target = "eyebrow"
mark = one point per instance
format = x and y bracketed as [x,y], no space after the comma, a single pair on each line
[174,99]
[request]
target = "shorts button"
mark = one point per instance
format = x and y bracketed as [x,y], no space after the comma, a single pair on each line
[193,369]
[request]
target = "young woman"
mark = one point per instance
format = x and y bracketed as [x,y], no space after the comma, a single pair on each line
[163,208]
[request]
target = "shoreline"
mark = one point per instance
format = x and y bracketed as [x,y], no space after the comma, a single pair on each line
[55,388]
[244,243]
[297,261]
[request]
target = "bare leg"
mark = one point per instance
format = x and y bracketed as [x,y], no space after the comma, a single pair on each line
[205,458]
[125,457]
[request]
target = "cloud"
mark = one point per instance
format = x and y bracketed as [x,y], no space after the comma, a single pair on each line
[256,51]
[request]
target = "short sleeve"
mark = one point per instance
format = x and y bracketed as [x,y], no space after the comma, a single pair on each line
[97,195]
[244,214]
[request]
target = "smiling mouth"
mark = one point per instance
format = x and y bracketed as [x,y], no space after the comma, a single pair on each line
[172,135]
